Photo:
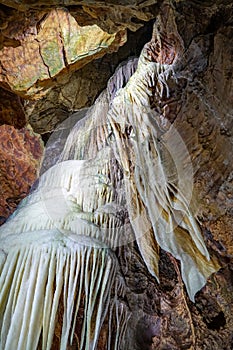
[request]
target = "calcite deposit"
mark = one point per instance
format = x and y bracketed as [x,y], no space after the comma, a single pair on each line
[197,102]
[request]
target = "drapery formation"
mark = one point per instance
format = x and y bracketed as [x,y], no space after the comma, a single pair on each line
[157,203]
[36,279]
[116,179]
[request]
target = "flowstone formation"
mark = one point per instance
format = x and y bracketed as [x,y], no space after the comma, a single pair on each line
[114,182]
[169,179]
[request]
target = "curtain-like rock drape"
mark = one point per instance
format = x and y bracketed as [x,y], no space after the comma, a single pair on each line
[118,178]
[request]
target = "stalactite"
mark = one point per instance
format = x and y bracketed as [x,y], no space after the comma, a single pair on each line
[151,199]
[112,183]
[37,277]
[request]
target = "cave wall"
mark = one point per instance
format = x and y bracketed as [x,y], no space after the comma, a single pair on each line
[200,108]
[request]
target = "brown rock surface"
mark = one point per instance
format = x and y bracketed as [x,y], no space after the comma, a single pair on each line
[81,88]
[111,15]
[51,45]
[20,153]
[11,109]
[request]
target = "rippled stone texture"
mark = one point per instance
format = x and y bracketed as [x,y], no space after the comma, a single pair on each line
[199,105]
[20,156]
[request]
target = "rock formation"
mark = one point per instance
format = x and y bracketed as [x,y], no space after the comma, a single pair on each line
[193,98]
[21,152]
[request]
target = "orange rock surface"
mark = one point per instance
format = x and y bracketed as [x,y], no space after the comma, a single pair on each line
[20,156]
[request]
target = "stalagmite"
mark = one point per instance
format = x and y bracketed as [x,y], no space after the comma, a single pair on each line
[112,183]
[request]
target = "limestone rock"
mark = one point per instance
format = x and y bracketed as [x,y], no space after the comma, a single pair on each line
[12,111]
[20,153]
[80,89]
[199,105]
[50,47]
[111,15]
